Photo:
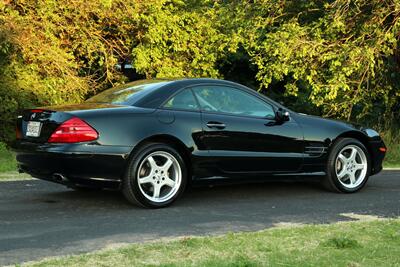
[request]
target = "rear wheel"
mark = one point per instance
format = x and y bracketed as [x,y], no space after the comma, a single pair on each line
[348,166]
[156,176]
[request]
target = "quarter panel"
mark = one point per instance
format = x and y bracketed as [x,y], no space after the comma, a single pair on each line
[319,136]
[130,129]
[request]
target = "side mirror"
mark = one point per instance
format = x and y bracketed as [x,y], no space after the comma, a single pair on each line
[282,115]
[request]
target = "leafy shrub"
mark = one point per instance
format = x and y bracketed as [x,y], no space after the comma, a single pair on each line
[7,159]
[391,137]
[336,59]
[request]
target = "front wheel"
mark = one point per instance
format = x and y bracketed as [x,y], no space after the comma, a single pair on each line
[348,166]
[156,176]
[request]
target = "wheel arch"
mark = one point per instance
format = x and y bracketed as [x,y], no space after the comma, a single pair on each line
[358,136]
[183,150]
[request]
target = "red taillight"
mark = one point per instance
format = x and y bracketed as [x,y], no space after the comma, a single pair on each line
[73,131]
[36,110]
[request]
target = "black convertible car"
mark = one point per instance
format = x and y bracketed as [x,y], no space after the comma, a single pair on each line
[150,138]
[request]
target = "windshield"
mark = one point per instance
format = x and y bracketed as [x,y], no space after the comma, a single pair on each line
[129,93]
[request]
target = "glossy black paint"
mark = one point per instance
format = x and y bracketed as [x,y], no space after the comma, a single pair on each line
[243,147]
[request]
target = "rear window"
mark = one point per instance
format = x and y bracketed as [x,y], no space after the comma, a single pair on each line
[127,94]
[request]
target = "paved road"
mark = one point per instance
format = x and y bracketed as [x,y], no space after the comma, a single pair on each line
[39,219]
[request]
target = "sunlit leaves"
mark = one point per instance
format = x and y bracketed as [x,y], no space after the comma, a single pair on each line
[339,57]
[341,53]
[179,40]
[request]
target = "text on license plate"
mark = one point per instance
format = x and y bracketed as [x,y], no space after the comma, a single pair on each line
[33,129]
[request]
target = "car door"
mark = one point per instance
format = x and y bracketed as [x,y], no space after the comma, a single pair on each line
[240,132]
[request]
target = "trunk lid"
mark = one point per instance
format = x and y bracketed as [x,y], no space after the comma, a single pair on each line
[37,125]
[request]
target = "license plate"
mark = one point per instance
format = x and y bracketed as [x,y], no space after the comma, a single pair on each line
[33,129]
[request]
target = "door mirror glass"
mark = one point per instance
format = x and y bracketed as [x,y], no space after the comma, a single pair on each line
[282,115]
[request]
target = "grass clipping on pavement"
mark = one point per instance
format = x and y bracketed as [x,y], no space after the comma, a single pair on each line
[361,243]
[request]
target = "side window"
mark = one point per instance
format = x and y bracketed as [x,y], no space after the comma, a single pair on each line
[183,100]
[231,100]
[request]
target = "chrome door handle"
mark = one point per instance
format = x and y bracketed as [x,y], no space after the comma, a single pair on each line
[213,124]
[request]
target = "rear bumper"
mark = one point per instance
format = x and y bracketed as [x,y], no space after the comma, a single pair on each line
[76,162]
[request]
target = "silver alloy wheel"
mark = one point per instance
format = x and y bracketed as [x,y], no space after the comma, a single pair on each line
[351,166]
[159,176]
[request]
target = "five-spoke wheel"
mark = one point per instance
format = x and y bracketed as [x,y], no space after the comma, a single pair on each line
[156,176]
[348,166]
[351,166]
[159,176]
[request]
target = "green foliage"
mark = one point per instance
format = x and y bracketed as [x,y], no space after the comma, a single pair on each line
[338,58]
[340,53]
[341,242]
[7,159]
[391,136]
[179,40]
[54,52]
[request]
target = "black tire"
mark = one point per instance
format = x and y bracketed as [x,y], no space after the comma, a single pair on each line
[130,185]
[331,181]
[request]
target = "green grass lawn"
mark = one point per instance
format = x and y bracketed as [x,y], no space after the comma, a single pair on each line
[391,165]
[392,141]
[361,243]
[7,159]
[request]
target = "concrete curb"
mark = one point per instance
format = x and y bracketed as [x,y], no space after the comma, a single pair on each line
[14,176]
